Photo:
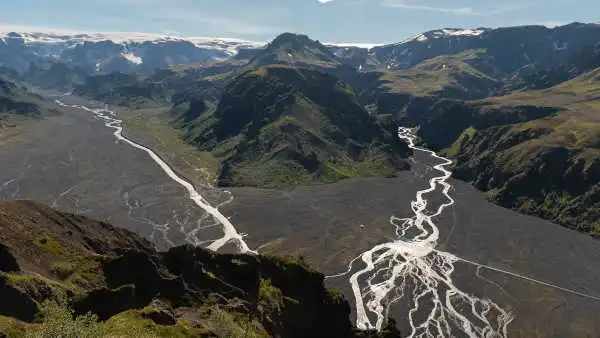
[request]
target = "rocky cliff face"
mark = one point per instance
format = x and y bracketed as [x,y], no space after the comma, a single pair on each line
[47,257]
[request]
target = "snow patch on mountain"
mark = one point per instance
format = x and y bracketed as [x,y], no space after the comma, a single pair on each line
[421,37]
[351,44]
[558,47]
[132,58]
[72,39]
[459,32]
[442,33]
[418,37]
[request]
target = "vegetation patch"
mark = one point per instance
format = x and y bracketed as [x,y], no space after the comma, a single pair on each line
[37,287]
[225,324]
[132,324]
[63,270]
[49,244]
[152,126]
[59,321]
[270,304]
[11,327]
[464,136]
[332,173]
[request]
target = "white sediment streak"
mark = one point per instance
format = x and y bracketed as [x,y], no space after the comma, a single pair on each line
[230,234]
[411,268]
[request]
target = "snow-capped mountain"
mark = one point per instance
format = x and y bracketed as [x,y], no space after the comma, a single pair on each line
[124,52]
[70,40]
[100,53]
[445,33]
[517,46]
[108,52]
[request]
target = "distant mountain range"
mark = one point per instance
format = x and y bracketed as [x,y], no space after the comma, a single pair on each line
[515,47]
[94,53]
[109,52]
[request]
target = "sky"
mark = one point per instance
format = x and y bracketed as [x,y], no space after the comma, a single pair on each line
[355,21]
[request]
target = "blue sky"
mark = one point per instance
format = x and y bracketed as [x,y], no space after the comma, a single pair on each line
[366,21]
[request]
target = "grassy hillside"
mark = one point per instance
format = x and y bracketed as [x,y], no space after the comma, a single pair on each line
[474,74]
[81,278]
[282,126]
[18,104]
[152,126]
[406,95]
[55,75]
[16,100]
[457,76]
[123,89]
[547,166]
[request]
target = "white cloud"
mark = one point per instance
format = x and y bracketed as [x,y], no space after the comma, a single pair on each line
[467,11]
[6,27]
[324,1]
[176,15]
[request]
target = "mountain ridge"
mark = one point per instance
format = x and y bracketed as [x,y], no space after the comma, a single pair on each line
[26,47]
[307,119]
[532,151]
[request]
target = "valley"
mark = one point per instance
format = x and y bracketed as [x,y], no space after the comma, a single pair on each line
[328,225]
[78,172]
[406,178]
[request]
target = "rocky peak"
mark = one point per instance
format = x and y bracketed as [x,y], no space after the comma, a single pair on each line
[295,42]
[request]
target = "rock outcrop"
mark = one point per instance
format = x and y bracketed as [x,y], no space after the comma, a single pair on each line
[94,268]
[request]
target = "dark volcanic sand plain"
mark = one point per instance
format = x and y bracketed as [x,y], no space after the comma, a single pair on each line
[323,223]
[74,163]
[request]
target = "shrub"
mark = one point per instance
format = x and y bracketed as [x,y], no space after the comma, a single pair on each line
[59,322]
[63,270]
[225,325]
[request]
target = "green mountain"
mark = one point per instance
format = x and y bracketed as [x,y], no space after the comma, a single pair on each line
[123,89]
[408,94]
[280,126]
[17,103]
[472,74]
[537,151]
[54,74]
[579,62]
[17,100]
[82,278]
